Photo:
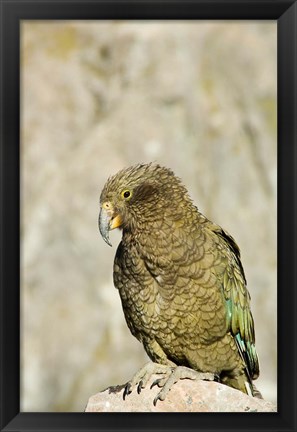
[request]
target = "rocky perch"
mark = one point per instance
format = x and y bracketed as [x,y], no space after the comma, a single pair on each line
[185,396]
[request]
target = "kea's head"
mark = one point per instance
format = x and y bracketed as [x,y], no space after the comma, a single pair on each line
[140,196]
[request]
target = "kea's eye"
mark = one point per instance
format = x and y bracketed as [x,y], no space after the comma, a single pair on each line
[126,194]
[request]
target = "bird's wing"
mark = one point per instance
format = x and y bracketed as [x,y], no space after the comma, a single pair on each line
[239,317]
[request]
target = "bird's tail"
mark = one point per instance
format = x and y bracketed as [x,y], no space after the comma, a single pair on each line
[256,392]
[240,382]
[243,383]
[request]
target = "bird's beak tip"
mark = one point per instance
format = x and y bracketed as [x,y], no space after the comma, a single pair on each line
[103,222]
[105,237]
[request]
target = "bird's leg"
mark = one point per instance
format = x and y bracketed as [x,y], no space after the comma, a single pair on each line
[141,378]
[180,372]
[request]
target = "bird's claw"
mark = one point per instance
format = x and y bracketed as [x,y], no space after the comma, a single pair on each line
[156,382]
[127,390]
[156,399]
[216,378]
[161,396]
[140,386]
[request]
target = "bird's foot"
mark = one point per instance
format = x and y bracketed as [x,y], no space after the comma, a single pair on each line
[141,378]
[180,372]
[170,376]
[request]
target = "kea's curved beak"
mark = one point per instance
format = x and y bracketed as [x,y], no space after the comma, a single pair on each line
[108,221]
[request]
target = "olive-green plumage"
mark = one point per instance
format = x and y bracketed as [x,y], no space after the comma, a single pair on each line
[179,276]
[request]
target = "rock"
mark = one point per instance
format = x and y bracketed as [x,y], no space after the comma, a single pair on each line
[185,396]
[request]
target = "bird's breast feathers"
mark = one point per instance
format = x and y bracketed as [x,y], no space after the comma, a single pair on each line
[162,297]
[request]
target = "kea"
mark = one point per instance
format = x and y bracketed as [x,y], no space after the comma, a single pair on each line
[181,283]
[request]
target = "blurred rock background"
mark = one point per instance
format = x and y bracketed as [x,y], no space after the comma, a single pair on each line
[199,97]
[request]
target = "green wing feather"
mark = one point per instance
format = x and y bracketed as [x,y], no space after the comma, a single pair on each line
[240,321]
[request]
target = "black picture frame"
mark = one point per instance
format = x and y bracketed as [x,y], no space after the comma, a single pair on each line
[12,12]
